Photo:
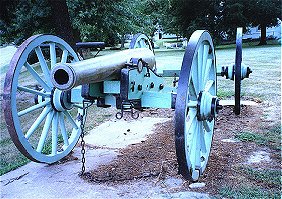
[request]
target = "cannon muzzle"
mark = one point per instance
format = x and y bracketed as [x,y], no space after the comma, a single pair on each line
[66,76]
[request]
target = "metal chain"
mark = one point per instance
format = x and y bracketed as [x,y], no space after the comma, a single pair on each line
[82,141]
[82,119]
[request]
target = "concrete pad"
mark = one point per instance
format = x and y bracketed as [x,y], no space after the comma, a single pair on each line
[242,102]
[229,140]
[197,185]
[121,133]
[36,180]
[259,156]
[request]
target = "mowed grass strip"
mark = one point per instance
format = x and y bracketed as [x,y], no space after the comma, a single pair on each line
[247,192]
[270,138]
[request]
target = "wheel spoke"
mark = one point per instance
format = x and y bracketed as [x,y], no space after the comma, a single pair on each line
[208,85]
[205,57]
[37,77]
[206,126]
[43,65]
[192,91]
[37,122]
[200,66]
[64,56]
[71,119]
[190,119]
[192,104]
[194,138]
[55,134]
[45,130]
[53,54]
[208,70]
[63,130]
[139,44]
[33,108]
[36,92]
[189,122]
[195,79]
[202,138]
[197,143]
[142,43]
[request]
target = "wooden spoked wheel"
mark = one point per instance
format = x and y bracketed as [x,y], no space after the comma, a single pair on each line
[196,106]
[42,120]
[140,40]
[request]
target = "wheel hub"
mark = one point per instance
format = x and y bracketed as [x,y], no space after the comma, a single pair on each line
[207,107]
[229,71]
[61,100]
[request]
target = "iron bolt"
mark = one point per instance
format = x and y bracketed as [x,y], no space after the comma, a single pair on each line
[152,85]
[161,86]
[139,87]
[132,86]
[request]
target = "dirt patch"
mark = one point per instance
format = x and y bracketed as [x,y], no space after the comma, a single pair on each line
[149,158]
[155,158]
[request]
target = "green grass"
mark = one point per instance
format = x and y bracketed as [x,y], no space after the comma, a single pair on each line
[222,94]
[265,81]
[10,157]
[14,164]
[247,192]
[270,138]
[161,41]
[270,177]
[250,44]
[266,184]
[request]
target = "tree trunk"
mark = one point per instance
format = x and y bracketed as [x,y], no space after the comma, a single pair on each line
[122,41]
[61,21]
[263,34]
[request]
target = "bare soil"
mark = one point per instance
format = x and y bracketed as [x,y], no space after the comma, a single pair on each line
[155,158]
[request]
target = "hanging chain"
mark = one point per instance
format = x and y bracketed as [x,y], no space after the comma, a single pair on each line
[82,141]
[82,119]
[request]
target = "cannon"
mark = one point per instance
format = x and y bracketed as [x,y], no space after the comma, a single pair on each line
[45,100]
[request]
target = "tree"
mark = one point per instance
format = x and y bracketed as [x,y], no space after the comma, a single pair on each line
[221,17]
[25,18]
[62,24]
[264,14]
[104,20]
[233,15]
[100,20]
[7,9]
[186,16]
[152,13]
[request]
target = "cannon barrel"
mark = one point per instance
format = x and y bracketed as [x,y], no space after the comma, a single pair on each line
[66,76]
[100,45]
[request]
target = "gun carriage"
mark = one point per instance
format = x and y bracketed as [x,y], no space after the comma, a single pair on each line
[55,91]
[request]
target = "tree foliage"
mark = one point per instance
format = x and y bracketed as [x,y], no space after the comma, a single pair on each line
[222,17]
[109,20]
[186,16]
[99,20]
[26,17]
[264,14]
